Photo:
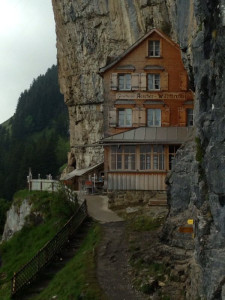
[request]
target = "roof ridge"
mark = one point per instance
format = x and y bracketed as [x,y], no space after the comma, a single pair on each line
[134,45]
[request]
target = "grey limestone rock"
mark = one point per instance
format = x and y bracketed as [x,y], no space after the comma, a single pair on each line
[91,32]
[16,218]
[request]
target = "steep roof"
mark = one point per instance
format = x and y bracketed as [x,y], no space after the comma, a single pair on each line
[132,47]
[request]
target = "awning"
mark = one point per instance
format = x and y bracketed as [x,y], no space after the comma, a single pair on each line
[153,67]
[151,135]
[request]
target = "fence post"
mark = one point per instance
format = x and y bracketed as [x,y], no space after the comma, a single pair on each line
[14,283]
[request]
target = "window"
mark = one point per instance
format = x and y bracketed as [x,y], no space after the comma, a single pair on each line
[116,158]
[123,157]
[172,152]
[153,82]
[124,82]
[145,157]
[152,157]
[125,117]
[154,117]
[154,48]
[129,157]
[158,157]
[190,119]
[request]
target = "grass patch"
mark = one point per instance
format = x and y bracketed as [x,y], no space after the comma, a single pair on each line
[77,280]
[49,212]
[144,223]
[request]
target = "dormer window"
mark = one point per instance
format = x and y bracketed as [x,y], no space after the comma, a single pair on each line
[154,48]
[124,82]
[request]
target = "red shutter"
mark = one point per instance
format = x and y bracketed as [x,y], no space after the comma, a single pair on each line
[164,81]
[166,117]
[183,81]
[182,116]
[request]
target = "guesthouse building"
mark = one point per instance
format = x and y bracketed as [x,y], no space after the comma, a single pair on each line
[148,113]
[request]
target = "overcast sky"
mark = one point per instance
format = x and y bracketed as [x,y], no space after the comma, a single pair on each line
[27,48]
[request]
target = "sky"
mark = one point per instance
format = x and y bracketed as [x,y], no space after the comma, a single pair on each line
[27,48]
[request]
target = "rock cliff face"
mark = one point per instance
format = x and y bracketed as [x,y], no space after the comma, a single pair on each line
[16,218]
[201,192]
[89,34]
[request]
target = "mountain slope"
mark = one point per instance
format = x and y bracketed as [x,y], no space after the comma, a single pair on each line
[36,136]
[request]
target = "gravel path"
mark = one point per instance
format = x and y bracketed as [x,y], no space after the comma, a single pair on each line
[113,271]
[98,209]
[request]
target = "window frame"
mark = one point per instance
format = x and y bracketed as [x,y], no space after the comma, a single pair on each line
[117,154]
[172,150]
[153,159]
[126,156]
[154,110]
[190,117]
[154,81]
[153,48]
[126,117]
[145,157]
[127,83]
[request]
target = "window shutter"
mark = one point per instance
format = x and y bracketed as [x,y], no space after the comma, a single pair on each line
[182,116]
[166,117]
[164,81]
[135,117]
[142,120]
[135,81]
[114,81]
[183,81]
[143,81]
[112,118]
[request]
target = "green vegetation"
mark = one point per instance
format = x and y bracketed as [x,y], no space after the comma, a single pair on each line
[49,212]
[35,137]
[144,223]
[4,206]
[77,280]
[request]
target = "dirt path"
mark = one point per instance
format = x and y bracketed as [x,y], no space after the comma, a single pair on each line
[113,269]
[98,209]
[112,264]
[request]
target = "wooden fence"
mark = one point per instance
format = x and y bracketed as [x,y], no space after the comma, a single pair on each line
[28,273]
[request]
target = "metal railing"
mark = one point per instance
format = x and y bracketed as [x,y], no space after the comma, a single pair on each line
[29,272]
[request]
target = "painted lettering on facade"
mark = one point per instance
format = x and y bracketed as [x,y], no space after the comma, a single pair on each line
[155,96]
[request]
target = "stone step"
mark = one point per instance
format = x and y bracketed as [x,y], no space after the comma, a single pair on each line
[157,202]
[161,196]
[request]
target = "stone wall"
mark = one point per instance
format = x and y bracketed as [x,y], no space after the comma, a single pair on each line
[120,199]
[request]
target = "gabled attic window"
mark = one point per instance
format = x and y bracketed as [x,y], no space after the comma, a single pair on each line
[154,48]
